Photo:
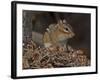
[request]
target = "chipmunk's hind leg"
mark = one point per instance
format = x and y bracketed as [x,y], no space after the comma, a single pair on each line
[46,40]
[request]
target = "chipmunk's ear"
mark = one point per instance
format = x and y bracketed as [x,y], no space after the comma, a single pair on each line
[64,21]
[47,29]
[60,22]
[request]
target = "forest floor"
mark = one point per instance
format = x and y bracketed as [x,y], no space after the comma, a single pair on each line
[35,57]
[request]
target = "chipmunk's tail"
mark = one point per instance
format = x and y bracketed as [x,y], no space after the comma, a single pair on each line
[37,38]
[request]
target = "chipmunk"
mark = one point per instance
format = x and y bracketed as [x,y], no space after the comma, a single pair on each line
[58,34]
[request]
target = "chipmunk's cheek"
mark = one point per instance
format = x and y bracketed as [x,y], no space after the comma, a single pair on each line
[71,35]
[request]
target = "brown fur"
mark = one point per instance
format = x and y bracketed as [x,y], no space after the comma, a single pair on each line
[59,34]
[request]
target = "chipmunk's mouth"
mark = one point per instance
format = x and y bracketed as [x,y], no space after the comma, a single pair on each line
[72,34]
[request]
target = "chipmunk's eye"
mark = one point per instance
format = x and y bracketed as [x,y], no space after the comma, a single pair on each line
[66,29]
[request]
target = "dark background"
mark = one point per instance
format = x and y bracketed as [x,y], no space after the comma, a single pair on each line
[80,22]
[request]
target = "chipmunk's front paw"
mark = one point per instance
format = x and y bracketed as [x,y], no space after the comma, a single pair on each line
[47,44]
